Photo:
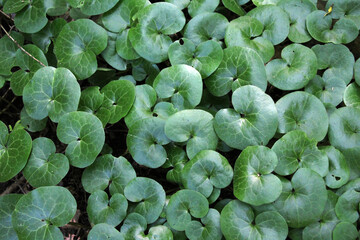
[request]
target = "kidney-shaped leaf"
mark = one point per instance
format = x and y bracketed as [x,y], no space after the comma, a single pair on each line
[15,148]
[45,167]
[183,205]
[253,121]
[39,213]
[84,134]
[51,92]
[302,111]
[193,126]
[103,231]
[238,221]
[206,171]
[149,196]
[108,170]
[254,182]
[78,44]
[7,206]
[208,228]
[347,206]
[296,68]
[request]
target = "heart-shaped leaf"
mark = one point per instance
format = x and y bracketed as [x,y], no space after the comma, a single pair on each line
[177,159]
[101,209]
[322,28]
[296,68]
[303,199]
[240,66]
[246,32]
[78,44]
[206,26]
[104,231]
[336,60]
[349,9]
[206,171]
[7,205]
[15,148]
[254,182]
[51,92]
[108,170]
[195,127]
[145,142]
[197,7]
[119,97]
[344,128]
[347,206]
[302,111]
[181,83]
[238,221]
[253,121]
[84,134]
[208,228]
[149,196]
[42,211]
[150,36]
[8,51]
[352,95]
[206,57]
[30,124]
[297,12]
[295,150]
[45,167]
[275,21]
[183,205]
[345,230]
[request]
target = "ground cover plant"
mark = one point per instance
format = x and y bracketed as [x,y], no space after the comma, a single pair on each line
[179,119]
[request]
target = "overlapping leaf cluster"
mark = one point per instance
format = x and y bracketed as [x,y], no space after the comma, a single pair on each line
[260,99]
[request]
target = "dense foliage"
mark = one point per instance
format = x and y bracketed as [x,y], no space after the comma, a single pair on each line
[180,119]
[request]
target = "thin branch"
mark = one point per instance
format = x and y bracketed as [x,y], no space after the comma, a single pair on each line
[22,49]
[6,15]
[13,186]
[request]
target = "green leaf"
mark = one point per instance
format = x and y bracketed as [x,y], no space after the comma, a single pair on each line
[119,97]
[352,95]
[345,230]
[7,205]
[15,148]
[183,205]
[214,195]
[206,171]
[347,206]
[275,21]
[322,29]
[78,44]
[145,142]
[254,182]
[339,171]
[297,12]
[84,134]
[253,121]
[206,57]
[352,156]
[295,150]
[213,104]
[181,83]
[135,225]
[208,228]
[207,26]
[39,213]
[349,9]
[195,127]
[181,4]
[197,7]
[240,66]
[104,231]
[329,89]
[108,170]
[91,7]
[265,2]
[45,167]
[8,51]
[323,229]
[150,36]
[238,221]
[336,60]
[148,195]
[302,111]
[101,209]
[296,68]
[303,199]
[246,32]
[356,71]
[344,128]
[30,124]
[177,159]
[235,6]
[51,92]
[13,6]
[110,54]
